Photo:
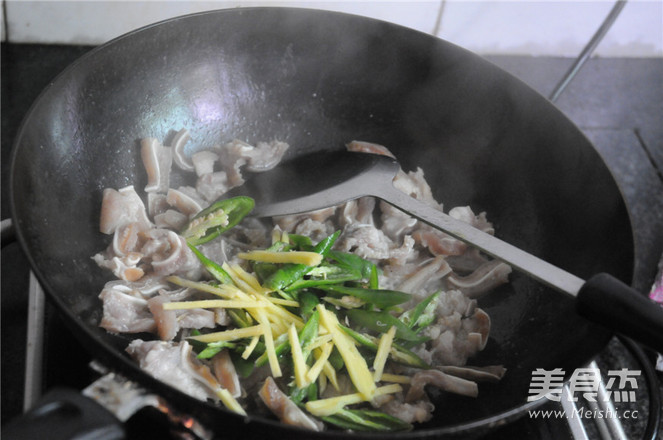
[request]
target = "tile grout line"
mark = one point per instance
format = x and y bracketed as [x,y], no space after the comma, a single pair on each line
[650,157]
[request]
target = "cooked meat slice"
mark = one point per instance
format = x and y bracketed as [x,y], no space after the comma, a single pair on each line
[225,373]
[432,270]
[485,278]
[169,254]
[169,322]
[440,380]
[166,320]
[124,313]
[121,207]
[369,147]
[168,362]
[284,408]
[157,161]
[410,412]
[491,373]
[203,162]
[171,219]
[177,144]
[265,155]
[183,201]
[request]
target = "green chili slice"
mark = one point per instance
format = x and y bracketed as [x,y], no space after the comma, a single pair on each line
[366,420]
[217,219]
[290,273]
[381,298]
[213,268]
[383,321]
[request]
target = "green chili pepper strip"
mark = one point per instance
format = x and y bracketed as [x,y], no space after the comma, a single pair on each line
[367,420]
[265,270]
[307,303]
[383,321]
[281,347]
[343,423]
[217,219]
[362,338]
[308,333]
[373,279]
[354,262]
[402,355]
[240,317]
[398,353]
[290,273]
[301,242]
[412,316]
[336,360]
[323,275]
[382,298]
[243,366]
[309,392]
[213,268]
[213,348]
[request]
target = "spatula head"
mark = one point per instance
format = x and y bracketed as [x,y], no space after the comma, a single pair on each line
[317,180]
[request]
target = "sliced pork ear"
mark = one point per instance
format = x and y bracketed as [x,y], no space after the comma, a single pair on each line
[165,320]
[491,373]
[479,328]
[203,162]
[144,288]
[442,381]
[212,186]
[157,161]
[183,202]
[469,261]
[170,255]
[415,412]
[395,223]
[284,408]
[265,155]
[198,371]
[485,278]
[171,219]
[437,242]
[156,204]
[465,214]
[225,373]
[434,269]
[123,312]
[169,322]
[414,184]
[127,239]
[170,363]
[121,207]
[125,268]
[357,211]
[177,144]
[369,147]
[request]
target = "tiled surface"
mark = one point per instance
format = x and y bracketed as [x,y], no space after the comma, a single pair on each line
[523,27]
[552,28]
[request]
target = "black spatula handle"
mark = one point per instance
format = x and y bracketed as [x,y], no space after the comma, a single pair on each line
[609,302]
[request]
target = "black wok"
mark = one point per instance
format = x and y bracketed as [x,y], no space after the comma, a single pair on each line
[318,80]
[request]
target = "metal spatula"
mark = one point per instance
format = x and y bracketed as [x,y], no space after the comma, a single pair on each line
[321,180]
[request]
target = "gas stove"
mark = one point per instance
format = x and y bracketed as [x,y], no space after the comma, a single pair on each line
[615,102]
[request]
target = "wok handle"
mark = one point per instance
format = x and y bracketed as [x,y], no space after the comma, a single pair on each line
[609,302]
[63,414]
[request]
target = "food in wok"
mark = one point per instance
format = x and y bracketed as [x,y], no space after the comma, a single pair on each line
[339,317]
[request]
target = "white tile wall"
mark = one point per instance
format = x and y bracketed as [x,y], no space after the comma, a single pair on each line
[531,27]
